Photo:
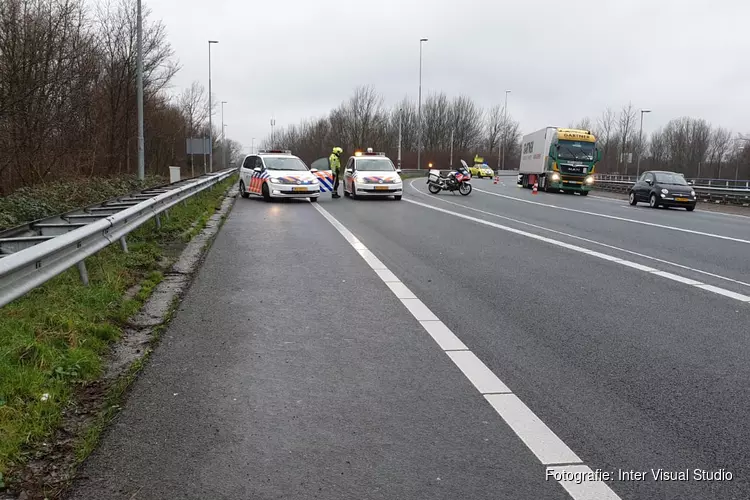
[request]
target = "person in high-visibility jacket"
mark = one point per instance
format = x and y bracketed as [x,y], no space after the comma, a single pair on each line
[335,161]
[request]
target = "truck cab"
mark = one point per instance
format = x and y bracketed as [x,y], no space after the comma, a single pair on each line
[559,159]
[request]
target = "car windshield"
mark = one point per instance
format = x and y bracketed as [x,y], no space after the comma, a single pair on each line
[669,178]
[575,150]
[375,165]
[276,163]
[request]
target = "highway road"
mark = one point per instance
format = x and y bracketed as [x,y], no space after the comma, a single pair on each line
[447,347]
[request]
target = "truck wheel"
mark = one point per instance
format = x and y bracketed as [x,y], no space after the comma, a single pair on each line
[584,193]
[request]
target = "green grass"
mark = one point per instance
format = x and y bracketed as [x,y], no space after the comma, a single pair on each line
[53,339]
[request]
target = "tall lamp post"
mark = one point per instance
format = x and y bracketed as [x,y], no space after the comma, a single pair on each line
[139,98]
[223,136]
[210,113]
[400,119]
[640,145]
[737,167]
[419,109]
[505,128]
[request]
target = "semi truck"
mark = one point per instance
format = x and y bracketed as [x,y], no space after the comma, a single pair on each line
[559,159]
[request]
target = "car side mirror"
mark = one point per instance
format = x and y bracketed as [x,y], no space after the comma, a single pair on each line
[691,183]
[256,169]
[398,171]
[598,155]
[349,170]
[649,182]
[313,170]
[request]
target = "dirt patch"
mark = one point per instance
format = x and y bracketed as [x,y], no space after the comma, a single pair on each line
[51,466]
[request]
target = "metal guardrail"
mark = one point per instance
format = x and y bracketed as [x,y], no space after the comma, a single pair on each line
[34,253]
[708,190]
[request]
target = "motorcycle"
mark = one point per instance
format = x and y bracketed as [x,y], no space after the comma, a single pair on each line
[455,180]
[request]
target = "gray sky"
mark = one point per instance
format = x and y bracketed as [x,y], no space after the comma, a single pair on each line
[295,59]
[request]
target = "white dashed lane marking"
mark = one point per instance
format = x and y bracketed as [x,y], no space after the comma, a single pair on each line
[540,439]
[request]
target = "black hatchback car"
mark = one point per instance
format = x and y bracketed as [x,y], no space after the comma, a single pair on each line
[666,189]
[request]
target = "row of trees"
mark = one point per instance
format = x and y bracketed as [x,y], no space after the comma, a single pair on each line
[68,93]
[687,145]
[363,121]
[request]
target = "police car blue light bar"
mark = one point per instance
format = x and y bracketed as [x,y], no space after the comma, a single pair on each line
[278,151]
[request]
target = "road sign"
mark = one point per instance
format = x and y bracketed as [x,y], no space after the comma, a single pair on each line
[197,146]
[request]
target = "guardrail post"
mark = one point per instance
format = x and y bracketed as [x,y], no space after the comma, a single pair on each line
[124,244]
[83,273]
[158,221]
[166,214]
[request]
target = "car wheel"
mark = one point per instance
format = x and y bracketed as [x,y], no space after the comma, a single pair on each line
[397,197]
[632,199]
[346,193]
[266,194]
[243,191]
[652,201]
[354,191]
[690,208]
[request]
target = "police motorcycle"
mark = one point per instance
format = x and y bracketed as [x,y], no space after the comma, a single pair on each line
[455,180]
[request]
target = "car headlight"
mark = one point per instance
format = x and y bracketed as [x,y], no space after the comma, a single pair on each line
[275,180]
[555,177]
[589,180]
[665,191]
[692,193]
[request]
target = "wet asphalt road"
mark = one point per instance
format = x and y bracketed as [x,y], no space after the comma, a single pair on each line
[292,371]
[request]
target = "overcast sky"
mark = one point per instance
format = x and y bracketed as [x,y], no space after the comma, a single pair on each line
[296,59]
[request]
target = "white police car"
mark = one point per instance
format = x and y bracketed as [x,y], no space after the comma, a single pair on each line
[372,174]
[277,174]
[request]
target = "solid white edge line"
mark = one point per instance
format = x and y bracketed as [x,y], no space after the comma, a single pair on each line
[615,217]
[478,373]
[400,290]
[587,240]
[726,293]
[562,244]
[444,337]
[582,490]
[540,440]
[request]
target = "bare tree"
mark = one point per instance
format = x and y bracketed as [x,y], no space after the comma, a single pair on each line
[194,105]
[493,128]
[719,149]
[437,120]
[625,125]
[466,124]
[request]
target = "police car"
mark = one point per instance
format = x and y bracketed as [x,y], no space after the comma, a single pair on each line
[372,174]
[277,174]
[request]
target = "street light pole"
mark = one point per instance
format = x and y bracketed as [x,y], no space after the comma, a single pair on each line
[252,147]
[451,148]
[223,136]
[210,113]
[419,109]
[640,145]
[139,98]
[737,167]
[273,139]
[400,118]
[505,128]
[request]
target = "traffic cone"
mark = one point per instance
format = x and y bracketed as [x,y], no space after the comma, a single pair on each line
[497,178]
[536,187]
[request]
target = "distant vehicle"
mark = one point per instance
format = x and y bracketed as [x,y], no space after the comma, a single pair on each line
[277,174]
[372,174]
[661,188]
[559,159]
[480,169]
[456,180]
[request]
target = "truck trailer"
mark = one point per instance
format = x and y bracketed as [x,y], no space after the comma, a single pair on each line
[559,159]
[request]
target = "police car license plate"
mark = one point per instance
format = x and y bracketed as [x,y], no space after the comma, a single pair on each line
[381,188]
[299,189]
[681,199]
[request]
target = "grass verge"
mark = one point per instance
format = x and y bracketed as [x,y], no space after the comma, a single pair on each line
[54,341]
[28,204]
